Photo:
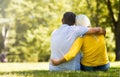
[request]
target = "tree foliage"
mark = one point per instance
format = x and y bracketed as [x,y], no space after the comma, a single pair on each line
[32,21]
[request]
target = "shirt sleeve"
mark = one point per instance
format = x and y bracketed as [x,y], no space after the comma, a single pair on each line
[79,31]
[74,49]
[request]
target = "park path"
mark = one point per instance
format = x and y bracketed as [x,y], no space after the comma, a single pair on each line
[8,67]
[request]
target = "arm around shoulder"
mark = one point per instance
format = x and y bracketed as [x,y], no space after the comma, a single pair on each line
[96,30]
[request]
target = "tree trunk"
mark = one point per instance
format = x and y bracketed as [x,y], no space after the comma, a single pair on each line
[117,41]
[117,35]
[116,27]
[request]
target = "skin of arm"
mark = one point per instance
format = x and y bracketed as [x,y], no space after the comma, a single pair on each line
[71,54]
[96,30]
[56,62]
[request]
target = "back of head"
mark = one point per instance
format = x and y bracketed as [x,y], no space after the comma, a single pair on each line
[69,18]
[82,20]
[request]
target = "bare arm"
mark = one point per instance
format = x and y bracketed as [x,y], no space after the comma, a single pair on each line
[56,62]
[96,30]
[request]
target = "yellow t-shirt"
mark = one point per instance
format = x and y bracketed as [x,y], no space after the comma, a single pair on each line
[93,48]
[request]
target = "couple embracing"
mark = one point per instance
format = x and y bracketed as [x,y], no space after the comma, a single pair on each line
[77,46]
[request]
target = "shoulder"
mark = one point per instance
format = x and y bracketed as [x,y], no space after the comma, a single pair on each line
[79,28]
[88,36]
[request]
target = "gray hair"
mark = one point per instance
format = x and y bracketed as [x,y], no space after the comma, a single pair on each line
[82,20]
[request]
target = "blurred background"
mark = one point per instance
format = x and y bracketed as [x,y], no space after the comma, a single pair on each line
[26,26]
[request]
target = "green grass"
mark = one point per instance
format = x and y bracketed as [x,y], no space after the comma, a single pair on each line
[41,70]
[113,72]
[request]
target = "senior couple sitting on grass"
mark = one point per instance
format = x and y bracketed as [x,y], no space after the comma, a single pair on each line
[75,45]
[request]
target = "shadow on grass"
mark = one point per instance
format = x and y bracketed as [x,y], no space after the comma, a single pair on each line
[112,72]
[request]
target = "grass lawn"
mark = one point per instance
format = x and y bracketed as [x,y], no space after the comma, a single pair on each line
[41,70]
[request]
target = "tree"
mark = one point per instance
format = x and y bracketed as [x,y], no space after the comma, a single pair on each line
[114,13]
[34,20]
[4,22]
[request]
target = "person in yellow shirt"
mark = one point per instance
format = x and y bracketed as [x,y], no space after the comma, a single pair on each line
[93,48]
